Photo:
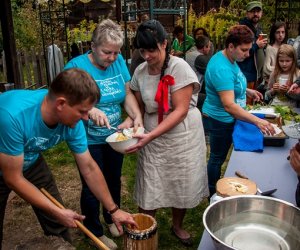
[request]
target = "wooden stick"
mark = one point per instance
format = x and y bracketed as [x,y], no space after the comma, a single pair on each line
[98,242]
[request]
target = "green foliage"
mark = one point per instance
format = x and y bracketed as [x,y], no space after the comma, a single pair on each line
[82,33]
[27,27]
[215,22]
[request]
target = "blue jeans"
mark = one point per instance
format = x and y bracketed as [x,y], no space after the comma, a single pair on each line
[220,139]
[110,163]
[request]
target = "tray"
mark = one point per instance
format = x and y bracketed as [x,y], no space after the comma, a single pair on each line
[277,140]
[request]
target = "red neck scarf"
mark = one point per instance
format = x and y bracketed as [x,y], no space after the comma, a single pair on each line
[161,96]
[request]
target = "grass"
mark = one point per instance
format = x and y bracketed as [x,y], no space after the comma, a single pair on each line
[62,164]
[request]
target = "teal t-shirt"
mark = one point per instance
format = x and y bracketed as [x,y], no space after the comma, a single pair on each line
[111,82]
[23,130]
[222,75]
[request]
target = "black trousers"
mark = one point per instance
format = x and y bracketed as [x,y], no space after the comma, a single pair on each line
[40,176]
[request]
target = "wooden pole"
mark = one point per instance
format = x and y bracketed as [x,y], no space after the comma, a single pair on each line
[98,242]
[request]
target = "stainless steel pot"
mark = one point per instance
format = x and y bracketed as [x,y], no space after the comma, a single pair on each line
[252,222]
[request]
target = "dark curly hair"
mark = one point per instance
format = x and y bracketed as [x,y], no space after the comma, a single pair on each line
[239,34]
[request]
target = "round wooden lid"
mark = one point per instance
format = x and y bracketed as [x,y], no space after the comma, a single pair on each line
[231,186]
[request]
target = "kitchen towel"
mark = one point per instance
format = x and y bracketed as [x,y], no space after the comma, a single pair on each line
[248,137]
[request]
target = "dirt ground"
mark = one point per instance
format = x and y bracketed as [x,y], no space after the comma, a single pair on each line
[21,228]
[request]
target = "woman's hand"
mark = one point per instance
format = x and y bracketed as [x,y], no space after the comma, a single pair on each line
[98,117]
[127,123]
[265,127]
[138,122]
[254,94]
[121,217]
[144,139]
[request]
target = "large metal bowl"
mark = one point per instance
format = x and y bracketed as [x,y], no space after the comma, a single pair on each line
[253,222]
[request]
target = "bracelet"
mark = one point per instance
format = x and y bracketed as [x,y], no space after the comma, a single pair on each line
[115,209]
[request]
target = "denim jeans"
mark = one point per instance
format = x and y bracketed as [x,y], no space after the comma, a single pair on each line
[110,163]
[220,139]
[40,176]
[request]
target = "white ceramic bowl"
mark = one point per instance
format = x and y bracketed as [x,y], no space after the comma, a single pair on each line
[121,146]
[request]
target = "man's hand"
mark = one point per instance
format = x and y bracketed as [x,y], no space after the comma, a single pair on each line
[261,43]
[121,217]
[67,217]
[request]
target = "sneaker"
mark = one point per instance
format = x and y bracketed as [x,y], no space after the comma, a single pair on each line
[113,230]
[107,242]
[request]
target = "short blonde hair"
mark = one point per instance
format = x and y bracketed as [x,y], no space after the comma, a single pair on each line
[108,32]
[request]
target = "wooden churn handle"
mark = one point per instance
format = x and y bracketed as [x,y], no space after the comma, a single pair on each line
[98,242]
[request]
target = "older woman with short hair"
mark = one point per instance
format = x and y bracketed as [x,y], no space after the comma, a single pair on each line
[107,66]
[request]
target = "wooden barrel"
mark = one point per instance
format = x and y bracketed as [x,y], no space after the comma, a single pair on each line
[144,237]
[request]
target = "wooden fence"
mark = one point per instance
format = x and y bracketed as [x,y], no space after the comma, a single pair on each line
[31,67]
[32,64]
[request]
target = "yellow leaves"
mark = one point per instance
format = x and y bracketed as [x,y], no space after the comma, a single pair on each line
[216,23]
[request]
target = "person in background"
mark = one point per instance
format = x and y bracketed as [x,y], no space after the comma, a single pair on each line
[181,43]
[296,46]
[136,58]
[74,50]
[252,66]
[201,52]
[107,67]
[171,168]
[277,37]
[198,60]
[281,79]
[33,121]
[295,163]
[202,32]
[226,90]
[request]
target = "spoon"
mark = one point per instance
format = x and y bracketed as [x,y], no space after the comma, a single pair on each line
[268,192]
[125,131]
[265,193]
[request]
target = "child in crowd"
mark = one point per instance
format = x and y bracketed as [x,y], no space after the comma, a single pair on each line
[281,79]
[277,37]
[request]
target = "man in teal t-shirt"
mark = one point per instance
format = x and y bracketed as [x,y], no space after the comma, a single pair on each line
[34,121]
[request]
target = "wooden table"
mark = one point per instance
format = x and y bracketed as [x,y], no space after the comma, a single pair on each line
[269,170]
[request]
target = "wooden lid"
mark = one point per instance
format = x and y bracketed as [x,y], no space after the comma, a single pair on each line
[231,186]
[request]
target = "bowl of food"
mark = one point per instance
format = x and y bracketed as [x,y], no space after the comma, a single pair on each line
[121,141]
[253,222]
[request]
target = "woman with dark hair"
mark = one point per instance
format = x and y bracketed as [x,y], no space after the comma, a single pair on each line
[277,37]
[226,90]
[171,169]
